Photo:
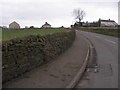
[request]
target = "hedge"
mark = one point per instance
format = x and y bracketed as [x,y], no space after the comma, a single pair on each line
[23,54]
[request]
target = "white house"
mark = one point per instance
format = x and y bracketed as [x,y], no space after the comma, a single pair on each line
[46,25]
[14,25]
[107,23]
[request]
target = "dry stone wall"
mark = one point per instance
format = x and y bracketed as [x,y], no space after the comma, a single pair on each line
[23,54]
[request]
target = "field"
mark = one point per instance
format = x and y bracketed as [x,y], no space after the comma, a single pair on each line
[111,31]
[100,27]
[10,34]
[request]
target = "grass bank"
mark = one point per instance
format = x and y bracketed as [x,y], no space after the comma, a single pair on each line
[11,34]
[111,31]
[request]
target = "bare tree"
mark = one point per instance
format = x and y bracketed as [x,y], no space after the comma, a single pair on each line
[79,14]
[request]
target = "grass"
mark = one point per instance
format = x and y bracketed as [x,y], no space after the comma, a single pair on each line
[10,34]
[106,33]
[100,27]
[102,31]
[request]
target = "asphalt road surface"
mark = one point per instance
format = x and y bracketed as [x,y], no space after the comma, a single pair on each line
[107,59]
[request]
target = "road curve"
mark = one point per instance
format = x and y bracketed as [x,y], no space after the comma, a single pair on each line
[107,59]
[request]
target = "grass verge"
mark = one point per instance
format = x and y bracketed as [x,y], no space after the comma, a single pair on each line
[105,31]
[10,34]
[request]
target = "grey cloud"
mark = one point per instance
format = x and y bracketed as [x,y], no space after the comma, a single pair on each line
[57,12]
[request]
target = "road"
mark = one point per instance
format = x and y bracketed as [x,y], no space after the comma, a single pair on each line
[107,60]
[59,73]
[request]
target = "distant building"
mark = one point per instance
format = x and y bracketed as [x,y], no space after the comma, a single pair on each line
[46,25]
[91,24]
[3,28]
[107,23]
[14,25]
[26,26]
[78,24]
[99,23]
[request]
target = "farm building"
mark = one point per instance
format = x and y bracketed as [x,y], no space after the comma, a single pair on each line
[46,25]
[107,23]
[14,25]
[99,23]
[3,28]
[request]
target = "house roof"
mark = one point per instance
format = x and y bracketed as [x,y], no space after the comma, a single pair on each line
[47,24]
[107,20]
[14,22]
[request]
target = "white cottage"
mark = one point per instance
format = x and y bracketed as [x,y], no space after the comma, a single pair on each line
[14,25]
[46,25]
[107,23]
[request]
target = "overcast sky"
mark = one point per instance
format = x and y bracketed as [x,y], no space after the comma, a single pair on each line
[55,12]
